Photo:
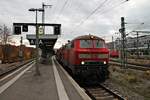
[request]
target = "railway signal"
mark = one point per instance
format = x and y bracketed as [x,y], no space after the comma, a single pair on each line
[17,30]
[25,28]
[41,30]
[57,30]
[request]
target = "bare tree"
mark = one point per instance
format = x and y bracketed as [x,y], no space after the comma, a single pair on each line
[4,35]
[4,40]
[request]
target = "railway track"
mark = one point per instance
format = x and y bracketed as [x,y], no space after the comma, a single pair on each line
[131,66]
[102,92]
[13,67]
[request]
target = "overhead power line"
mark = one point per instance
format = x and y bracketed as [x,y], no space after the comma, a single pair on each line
[82,21]
[98,8]
[113,7]
[61,10]
[55,7]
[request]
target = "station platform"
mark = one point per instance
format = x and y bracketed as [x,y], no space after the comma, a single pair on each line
[54,83]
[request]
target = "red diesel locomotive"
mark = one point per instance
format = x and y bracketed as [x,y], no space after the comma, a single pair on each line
[86,56]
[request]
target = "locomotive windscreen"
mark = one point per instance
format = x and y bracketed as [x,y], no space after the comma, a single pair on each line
[86,44]
[92,44]
[99,44]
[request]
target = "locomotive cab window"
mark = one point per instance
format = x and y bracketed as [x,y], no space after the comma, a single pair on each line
[86,44]
[99,44]
[92,44]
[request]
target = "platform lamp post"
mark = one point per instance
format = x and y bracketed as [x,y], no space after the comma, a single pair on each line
[37,39]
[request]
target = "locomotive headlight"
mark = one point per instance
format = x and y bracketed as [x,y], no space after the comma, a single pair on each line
[82,62]
[104,62]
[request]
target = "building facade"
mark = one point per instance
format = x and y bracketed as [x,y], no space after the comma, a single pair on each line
[134,45]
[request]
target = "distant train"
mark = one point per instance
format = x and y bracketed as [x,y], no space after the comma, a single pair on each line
[11,53]
[85,56]
[114,53]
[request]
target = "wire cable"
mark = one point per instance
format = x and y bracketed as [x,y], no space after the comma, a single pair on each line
[55,8]
[95,10]
[62,9]
[100,6]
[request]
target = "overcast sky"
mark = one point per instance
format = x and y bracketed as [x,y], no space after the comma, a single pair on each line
[73,15]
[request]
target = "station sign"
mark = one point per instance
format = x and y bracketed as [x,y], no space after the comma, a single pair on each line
[41,42]
[47,40]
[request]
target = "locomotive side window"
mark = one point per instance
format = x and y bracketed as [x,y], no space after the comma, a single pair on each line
[86,44]
[99,44]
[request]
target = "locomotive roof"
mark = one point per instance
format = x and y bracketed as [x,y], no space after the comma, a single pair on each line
[87,37]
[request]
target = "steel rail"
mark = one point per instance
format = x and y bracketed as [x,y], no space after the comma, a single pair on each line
[13,68]
[131,66]
[102,92]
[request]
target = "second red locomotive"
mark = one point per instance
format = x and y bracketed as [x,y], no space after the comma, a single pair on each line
[86,56]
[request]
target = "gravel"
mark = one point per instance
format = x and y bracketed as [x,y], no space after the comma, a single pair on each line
[129,83]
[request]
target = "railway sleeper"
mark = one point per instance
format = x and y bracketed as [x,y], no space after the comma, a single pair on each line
[110,97]
[97,91]
[100,94]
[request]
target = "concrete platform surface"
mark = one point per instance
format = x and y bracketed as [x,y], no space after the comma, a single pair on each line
[53,84]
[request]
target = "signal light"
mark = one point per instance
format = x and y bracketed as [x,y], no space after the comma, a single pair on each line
[17,30]
[56,30]
[25,28]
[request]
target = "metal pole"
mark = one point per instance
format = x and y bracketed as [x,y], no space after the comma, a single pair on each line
[123,35]
[37,47]
[137,45]
[21,51]
[113,43]
[37,41]
[4,42]
[149,48]
[43,17]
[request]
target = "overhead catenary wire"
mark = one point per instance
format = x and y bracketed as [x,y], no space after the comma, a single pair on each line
[95,10]
[55,8]
[100,6]
[61,10]
[101,12]
[113,7]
